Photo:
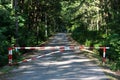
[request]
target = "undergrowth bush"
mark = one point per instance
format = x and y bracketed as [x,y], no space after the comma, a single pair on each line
[93,38]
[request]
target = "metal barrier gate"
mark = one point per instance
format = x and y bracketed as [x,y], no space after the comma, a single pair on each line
[59,48]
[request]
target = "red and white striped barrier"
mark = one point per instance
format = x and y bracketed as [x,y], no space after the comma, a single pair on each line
[60,48]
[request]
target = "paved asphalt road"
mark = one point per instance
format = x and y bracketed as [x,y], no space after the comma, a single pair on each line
[67,65]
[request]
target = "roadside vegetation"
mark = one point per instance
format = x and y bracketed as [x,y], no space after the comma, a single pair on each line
[96,23]
[26,23]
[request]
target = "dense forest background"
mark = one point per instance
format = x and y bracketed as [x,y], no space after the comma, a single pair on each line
[31,22]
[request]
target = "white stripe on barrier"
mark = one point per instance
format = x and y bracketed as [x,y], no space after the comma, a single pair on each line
[10,52]
[67,48]
[104,51]
[104,54]
[76,48]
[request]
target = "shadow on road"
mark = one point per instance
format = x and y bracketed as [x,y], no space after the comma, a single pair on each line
[65,65]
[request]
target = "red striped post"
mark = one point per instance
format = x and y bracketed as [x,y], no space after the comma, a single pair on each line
[104,55]
[10,56]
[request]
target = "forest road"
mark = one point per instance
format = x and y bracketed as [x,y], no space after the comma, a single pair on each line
[66,65]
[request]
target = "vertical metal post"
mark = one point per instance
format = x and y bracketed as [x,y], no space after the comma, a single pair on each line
[10,56]
[104,55]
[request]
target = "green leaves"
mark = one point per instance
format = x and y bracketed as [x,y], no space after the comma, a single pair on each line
[101,22]
[114,52]
[6,32]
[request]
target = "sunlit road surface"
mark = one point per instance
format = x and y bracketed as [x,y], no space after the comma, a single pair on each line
[67,65]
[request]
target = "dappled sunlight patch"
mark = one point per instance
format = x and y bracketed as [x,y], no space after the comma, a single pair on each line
[96,69]
[65,66]
[70,56]
[64,62]
[29,72]
[25,66]
[21,68]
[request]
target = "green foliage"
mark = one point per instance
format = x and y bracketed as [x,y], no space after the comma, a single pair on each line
[25,25]
[101,26]
[5,33]
[114,53]
[79,34]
